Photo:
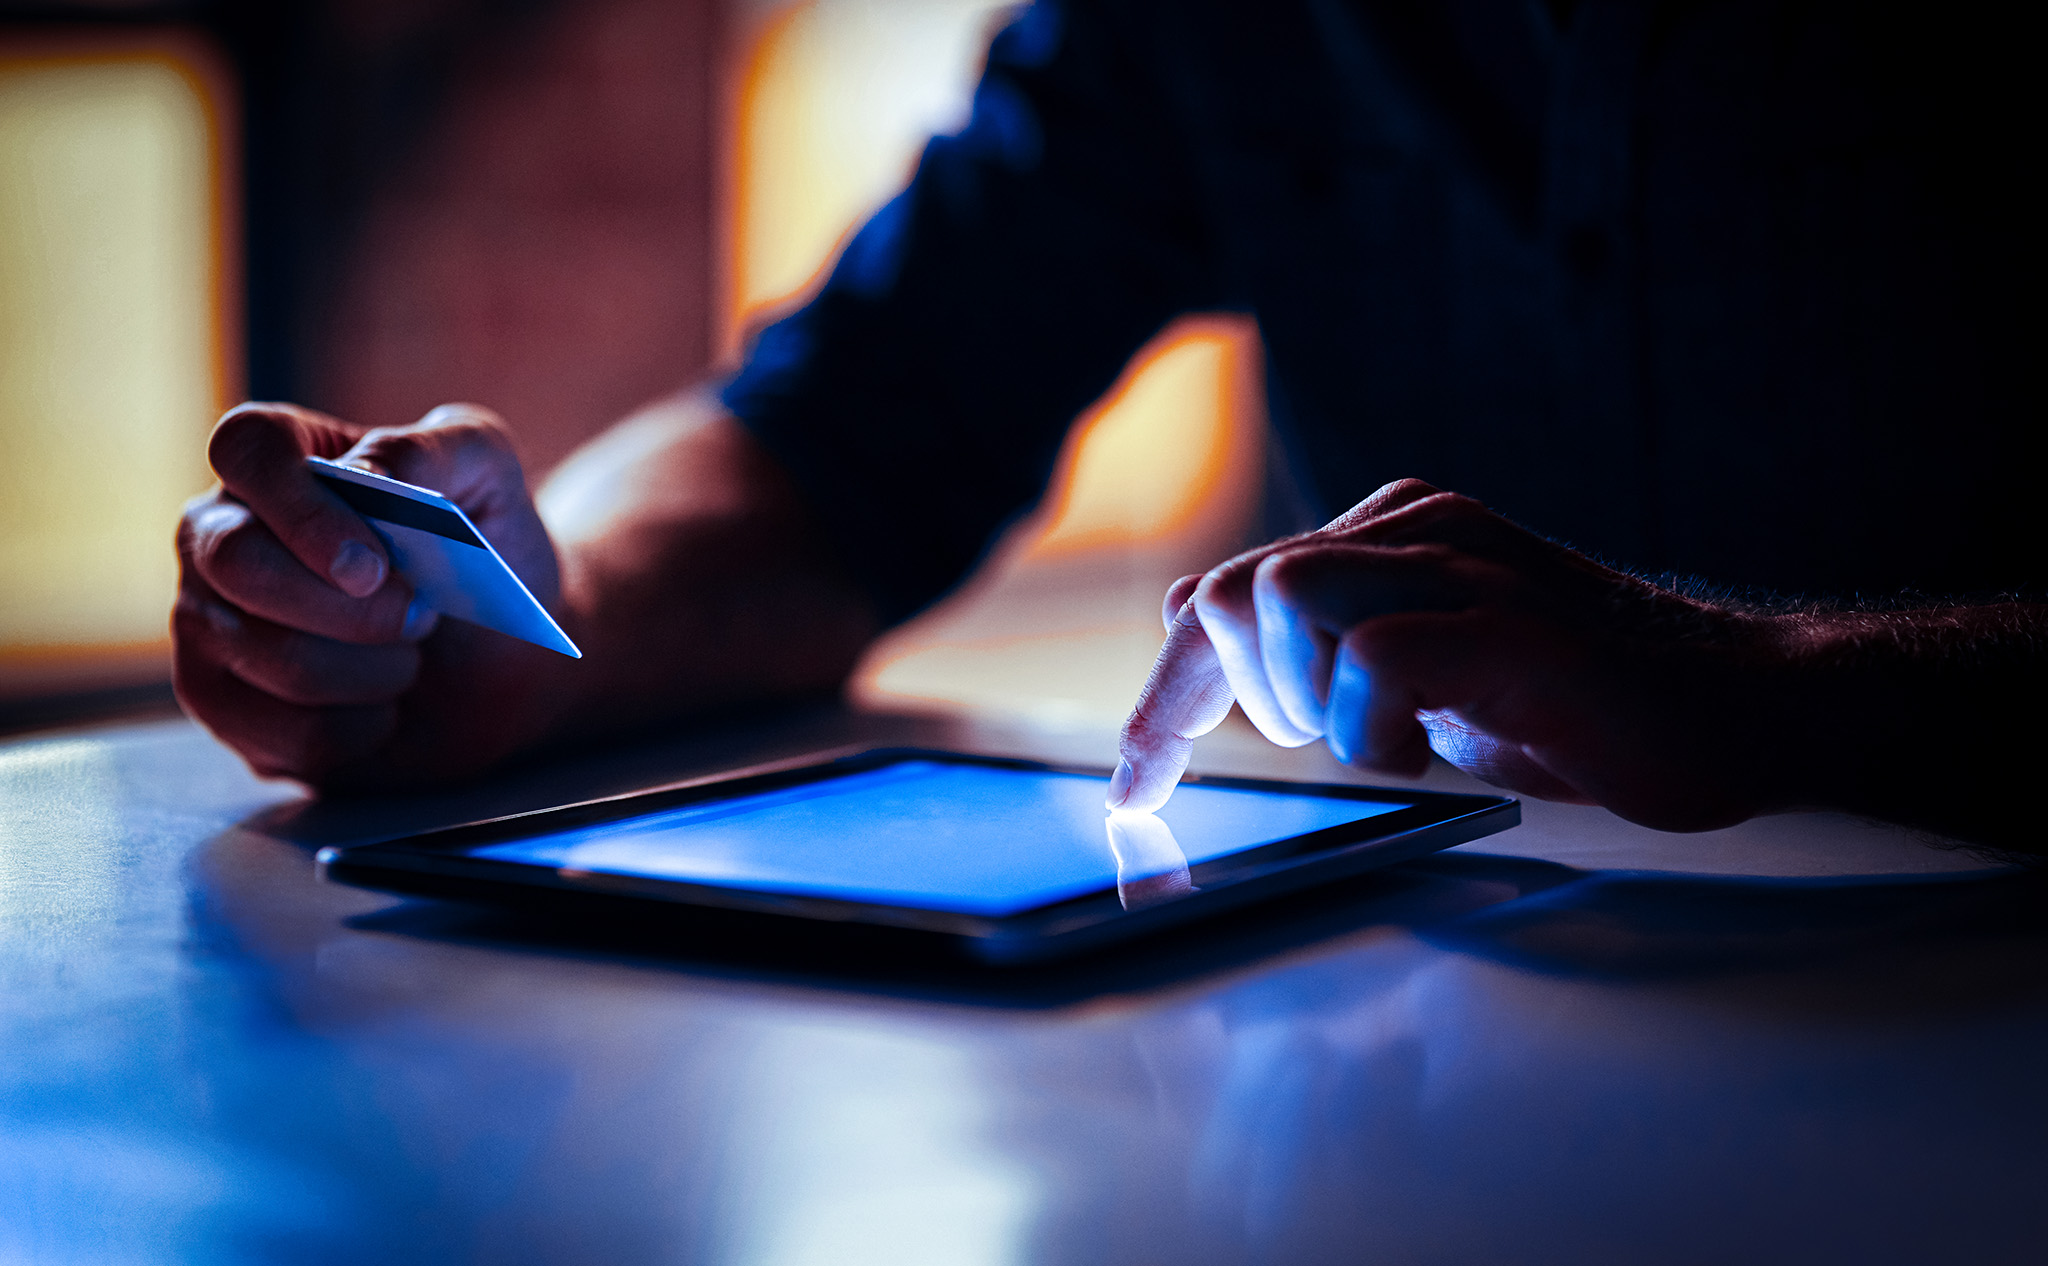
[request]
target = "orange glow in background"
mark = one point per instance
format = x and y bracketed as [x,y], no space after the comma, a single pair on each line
[834,101]
[117,284]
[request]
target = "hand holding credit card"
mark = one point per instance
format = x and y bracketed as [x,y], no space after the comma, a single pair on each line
[451,567]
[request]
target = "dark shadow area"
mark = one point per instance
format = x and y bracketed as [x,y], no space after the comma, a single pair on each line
[1898,942]
[30,713]
[1886,945]
[871,960]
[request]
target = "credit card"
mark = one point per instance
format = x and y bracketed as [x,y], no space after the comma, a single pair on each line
[442,555]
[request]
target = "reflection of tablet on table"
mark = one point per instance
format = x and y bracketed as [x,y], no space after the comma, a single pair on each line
[1006,860]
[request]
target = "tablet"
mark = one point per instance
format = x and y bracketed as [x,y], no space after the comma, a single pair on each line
[1003,860]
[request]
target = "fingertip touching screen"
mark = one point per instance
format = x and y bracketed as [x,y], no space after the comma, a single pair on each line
[972,839]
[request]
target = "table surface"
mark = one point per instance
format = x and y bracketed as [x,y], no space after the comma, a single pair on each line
[1806,1039]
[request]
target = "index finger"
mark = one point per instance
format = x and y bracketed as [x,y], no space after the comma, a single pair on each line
[1186,696]
[259,451]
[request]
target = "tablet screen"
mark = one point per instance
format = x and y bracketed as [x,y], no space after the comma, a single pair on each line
[974,839]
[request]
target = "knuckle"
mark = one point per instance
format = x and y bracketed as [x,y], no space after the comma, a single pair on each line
[1144,714]
[1398,497]
[450,438]
[1283,572]
[218,519]
[192,621]
[390,447]
[1142,729]
[240,550]
[1455,503]
[1435,512]
[245,441]
[196,519]
[1227,591]
[1383,501]
[487,442]
[473,422]
[1409,489]
[198,505]
[188,629]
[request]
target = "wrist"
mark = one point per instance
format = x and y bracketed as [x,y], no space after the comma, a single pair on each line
[1794,693]
[1864,712]
[1751,705]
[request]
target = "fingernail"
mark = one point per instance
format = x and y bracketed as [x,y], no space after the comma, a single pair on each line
[1120,785]
[357,570]
[420,620]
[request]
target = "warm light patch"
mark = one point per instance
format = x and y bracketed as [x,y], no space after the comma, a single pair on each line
[110,368]
[836,101]
[1162,447]
[1161,477]
[837,97]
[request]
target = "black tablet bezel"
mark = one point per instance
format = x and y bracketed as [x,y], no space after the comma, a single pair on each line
[437,864]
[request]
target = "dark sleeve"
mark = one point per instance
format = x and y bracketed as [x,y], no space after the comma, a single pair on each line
[921,398]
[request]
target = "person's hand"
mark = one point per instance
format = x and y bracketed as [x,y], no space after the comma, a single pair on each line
[1419,619]
[298,646]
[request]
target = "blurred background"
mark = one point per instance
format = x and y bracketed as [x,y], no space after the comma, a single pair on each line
[561,210]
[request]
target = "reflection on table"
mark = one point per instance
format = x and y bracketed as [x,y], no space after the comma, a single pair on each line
[1150,866]
[1807,1039]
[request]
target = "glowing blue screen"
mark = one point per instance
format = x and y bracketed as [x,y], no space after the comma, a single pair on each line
[968,838]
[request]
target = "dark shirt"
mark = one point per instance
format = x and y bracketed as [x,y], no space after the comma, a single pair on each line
[1740,290]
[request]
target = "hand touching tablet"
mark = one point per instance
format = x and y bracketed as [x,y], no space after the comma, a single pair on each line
[1420,619]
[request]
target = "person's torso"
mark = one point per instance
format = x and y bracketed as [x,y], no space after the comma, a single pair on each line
[1734,289]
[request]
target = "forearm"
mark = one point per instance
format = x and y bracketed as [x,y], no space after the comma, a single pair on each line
[1927,718]
[692,575]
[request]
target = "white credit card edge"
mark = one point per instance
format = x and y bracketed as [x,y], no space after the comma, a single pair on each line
[572,650]
[467,583]
[398,487]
